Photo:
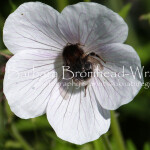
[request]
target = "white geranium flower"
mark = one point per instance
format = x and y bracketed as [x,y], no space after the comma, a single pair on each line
[86,37]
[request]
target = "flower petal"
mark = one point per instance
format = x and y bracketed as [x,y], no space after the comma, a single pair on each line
[121,77]
[92,24]
[79,118]
[33,26]
[29,79]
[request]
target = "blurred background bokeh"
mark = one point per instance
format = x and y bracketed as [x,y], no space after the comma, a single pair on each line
[130,128]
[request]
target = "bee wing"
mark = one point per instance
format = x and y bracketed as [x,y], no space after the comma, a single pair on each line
[96,63]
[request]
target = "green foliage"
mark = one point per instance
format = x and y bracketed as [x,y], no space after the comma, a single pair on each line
[125,10]
[146,146]
[130,145]
[13,6]
[61,4]
[12,145]
[87,0]
[1,30]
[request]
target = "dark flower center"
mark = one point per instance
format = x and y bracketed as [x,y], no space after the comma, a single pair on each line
[78,62]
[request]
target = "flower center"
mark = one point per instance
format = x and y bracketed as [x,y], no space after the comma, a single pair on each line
[78,62]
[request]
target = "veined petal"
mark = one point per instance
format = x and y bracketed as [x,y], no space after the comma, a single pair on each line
[33,26]
[79,118]
[121,77]
[92,24]
[29,79]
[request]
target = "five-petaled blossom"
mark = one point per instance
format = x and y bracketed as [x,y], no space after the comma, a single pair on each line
[83,37]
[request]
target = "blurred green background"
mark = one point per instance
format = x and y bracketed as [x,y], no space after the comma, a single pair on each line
[130,128]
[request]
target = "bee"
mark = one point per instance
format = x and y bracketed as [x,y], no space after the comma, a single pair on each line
[80,63]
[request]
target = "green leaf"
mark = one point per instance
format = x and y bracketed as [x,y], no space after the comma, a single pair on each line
[61,4]
[5,51]
[13,6]
[2,120]
[146,146]
[19,138]
[31,124]
[12,144]
[115,128]
[99,144]
[143,51]
[125,10]
[8,112]
[130,145]
[87,146]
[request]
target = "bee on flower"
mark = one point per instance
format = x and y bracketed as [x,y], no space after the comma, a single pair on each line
[73,45]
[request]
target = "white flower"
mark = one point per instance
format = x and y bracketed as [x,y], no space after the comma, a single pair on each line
[37,35]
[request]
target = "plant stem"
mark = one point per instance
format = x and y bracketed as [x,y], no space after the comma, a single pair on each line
[116,131]
[2,119]
[20,138]
[99,144]
[106,142]
[61,4]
